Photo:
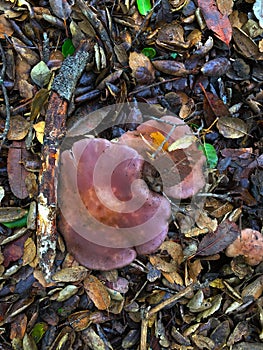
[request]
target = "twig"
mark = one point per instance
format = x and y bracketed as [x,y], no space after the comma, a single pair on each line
[150,312]
[7,106]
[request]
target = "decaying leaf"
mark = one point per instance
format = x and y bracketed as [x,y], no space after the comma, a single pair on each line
[216,67]
[61,8]
[16,170]
[232,128]
[70,274]
[217,241]
[225,6]
[19,127]
[29,251]
[97,292]
[215,20]
[174,68]
[5,27]
[142,68]
[245,45]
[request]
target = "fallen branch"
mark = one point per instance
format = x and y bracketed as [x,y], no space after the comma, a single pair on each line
[55,127]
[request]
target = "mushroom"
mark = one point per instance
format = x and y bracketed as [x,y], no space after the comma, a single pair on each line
[249,244]
[182,170]
[107,212]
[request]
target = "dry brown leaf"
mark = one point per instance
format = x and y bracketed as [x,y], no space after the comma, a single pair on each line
[174,250]
[80,320]
[171,67]
[245,45]
[5,27]
[39,128]
[232,128]
[19,127]
[142,68]
[61,8]
[212,243]
[16,170]
[29,251]
[225,6]
[70,274]
[97,292]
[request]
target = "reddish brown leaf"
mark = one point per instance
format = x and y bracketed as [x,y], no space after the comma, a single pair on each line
[214,107]
[16,171]
[217,241]
[14,251]
[215,21]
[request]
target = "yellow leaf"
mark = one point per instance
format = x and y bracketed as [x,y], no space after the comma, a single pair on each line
[39,128]
[158,138]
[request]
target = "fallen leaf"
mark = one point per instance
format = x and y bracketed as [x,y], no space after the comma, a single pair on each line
[225,6]
[29,251]
[182,143]
[215,20]
[38,102]
[142,68]
[39,128]
[19,127]
[245,45]
[5,27]
[40,74]
[217,67]
[144,6]
[171,67]
[97,292]
[217,241]
[232,128]
[16,170]
[70,274]
[14,250]
[61,8]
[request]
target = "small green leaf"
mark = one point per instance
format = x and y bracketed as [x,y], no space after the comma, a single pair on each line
[144,6]
[210,153]
[17,223]
[174,55]
[38,331]
[149,52]
[68,48]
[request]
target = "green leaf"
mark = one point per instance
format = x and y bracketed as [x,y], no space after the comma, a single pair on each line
[210,153]
[17,223]
[38,331]
[144,6]
[174,55]
[68,48]
[149,52]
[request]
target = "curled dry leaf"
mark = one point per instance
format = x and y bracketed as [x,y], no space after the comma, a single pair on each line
[70,274]
[142,68]
[171,67]
[19,127]
[245,45]
[249,244]
[232,128]
[97,292]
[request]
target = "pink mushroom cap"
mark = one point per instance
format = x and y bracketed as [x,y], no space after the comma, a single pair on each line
[108,213]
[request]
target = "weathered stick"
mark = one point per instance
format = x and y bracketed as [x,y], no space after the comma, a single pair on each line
[62,90]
